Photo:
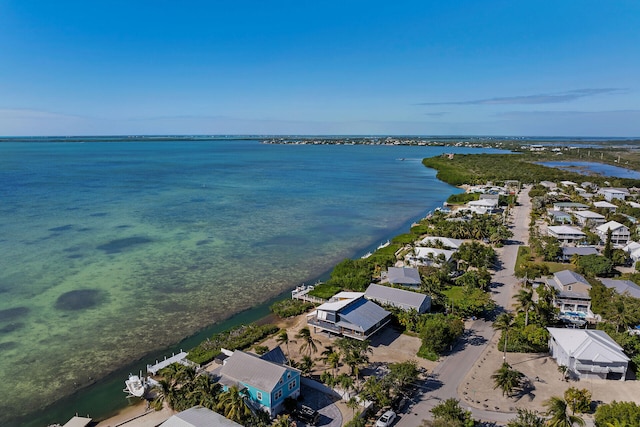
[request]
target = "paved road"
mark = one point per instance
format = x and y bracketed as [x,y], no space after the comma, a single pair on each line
[448,375]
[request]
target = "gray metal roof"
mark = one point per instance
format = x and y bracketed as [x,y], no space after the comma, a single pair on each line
[198,417]
[567,277]
[581,250]
[250,369]
[404,275]
[384,294]
[276,355]
[622,286]
[362,315]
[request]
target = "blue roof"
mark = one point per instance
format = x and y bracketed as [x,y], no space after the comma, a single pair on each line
[362,315]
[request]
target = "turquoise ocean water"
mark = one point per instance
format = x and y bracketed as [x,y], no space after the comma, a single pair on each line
[113,251]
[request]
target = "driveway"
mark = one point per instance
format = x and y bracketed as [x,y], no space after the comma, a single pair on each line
[330,415]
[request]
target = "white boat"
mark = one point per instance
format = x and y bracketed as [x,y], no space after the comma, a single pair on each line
[135,386]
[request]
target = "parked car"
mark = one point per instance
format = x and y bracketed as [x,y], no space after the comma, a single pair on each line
[386,419]
[308,415]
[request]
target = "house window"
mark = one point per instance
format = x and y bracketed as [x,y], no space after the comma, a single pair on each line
[288,375]
[278,395]
[569,287]
[281,381]
[259,395]
[292,384]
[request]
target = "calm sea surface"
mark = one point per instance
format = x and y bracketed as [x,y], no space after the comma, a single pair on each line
[587,168]
[112,251]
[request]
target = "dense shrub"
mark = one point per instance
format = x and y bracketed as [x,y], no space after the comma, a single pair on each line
[290,307]
[438,333]
[238,338]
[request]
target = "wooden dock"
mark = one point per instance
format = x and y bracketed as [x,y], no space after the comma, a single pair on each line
[302,293]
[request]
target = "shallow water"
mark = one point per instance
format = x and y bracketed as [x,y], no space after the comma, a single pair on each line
[114,249]
[588,168]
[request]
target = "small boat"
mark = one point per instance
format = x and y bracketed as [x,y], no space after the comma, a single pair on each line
[384,245]
[367,255]
[135,386]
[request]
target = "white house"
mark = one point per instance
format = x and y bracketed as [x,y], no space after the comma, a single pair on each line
[199,417]
[619,232]
[634,205]
[405,276]
[633,249]
[568,183]
[565,234]
[588,353]
[429,256]
[605,205]
[569,206]
[483,206]
[613,193]
[445,242]
[589,218]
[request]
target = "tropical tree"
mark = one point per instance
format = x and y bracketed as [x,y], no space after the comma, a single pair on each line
[563,371]
[233,405]
[503,323]
[331,358]
[624,413]
[353,404]
[309,343]
[578,400]
[525,303]
[283,421]
[283,338]
[204,392]
[559,416]
[526,418]
[507,379]
[306,365]
[452,413]
[402,374]
[165,393]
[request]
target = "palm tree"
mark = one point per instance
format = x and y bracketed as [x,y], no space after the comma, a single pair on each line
[308,342]
[306,365]
[331,358]
[165,393]
[283,338]
[233,405]
[504,322]
[507,379]
[283,421]
[563,371]
[204,392]
[557,410]
[526,418]
[525,303]
[353,404]
[355,360]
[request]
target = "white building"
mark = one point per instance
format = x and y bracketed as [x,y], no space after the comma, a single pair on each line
[565,234]
[605,205]
[619,232]
[589,218]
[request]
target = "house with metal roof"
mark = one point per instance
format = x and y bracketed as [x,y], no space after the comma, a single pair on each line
[560,217]
[483,206]
[349,314]
[605,205]
[199,417]
[622,287]
[573,297]
[620,233]
[611,193]
[401,298]
[441,242]
[565,234]
[589,218]
[588,353]
[633,250]
[266,384]
[429,256]
[569,206]
[404,276]
[569,251]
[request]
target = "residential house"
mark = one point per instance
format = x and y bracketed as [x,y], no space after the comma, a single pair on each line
[610,193]
[405,276]
[548,184]
[605,206]
[572,293]
[349,314]
[634,204]
[589,186]
[482,207]
[406,300]
[199,417]
[266,384]
[429,256]
[569,251]
[589,218]
[619,232]
[565,234]
[444,242]
[569,206]
[568,183]
[633,250]
[588,353]
[622,287]
[560,217]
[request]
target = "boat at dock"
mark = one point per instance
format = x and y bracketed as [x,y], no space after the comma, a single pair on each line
[135,386]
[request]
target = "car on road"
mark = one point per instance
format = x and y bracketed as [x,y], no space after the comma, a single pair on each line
[386,419]
[308,415]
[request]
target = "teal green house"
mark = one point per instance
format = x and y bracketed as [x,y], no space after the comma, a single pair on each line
[265,383]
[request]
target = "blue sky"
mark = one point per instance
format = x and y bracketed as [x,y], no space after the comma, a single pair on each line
[562,67]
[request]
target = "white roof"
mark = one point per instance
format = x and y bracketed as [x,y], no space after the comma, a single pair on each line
[603,204]
[631,246]
[589,214]
[568,183]
[634,204]
[588,344]
[424,253]
[339,301]
[613,225]
[614,190]
[489,203]
[446,241]
[78,422]
[198,417]
[563,229]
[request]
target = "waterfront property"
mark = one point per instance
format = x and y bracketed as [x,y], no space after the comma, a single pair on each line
[483,206]
[565,234]
[266,384]
[349,314]
[614,193]
[199,417]
[429,257]
[588,353]
[401,298]
[573,293]
[619,232]
[404,276]
[445,242]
